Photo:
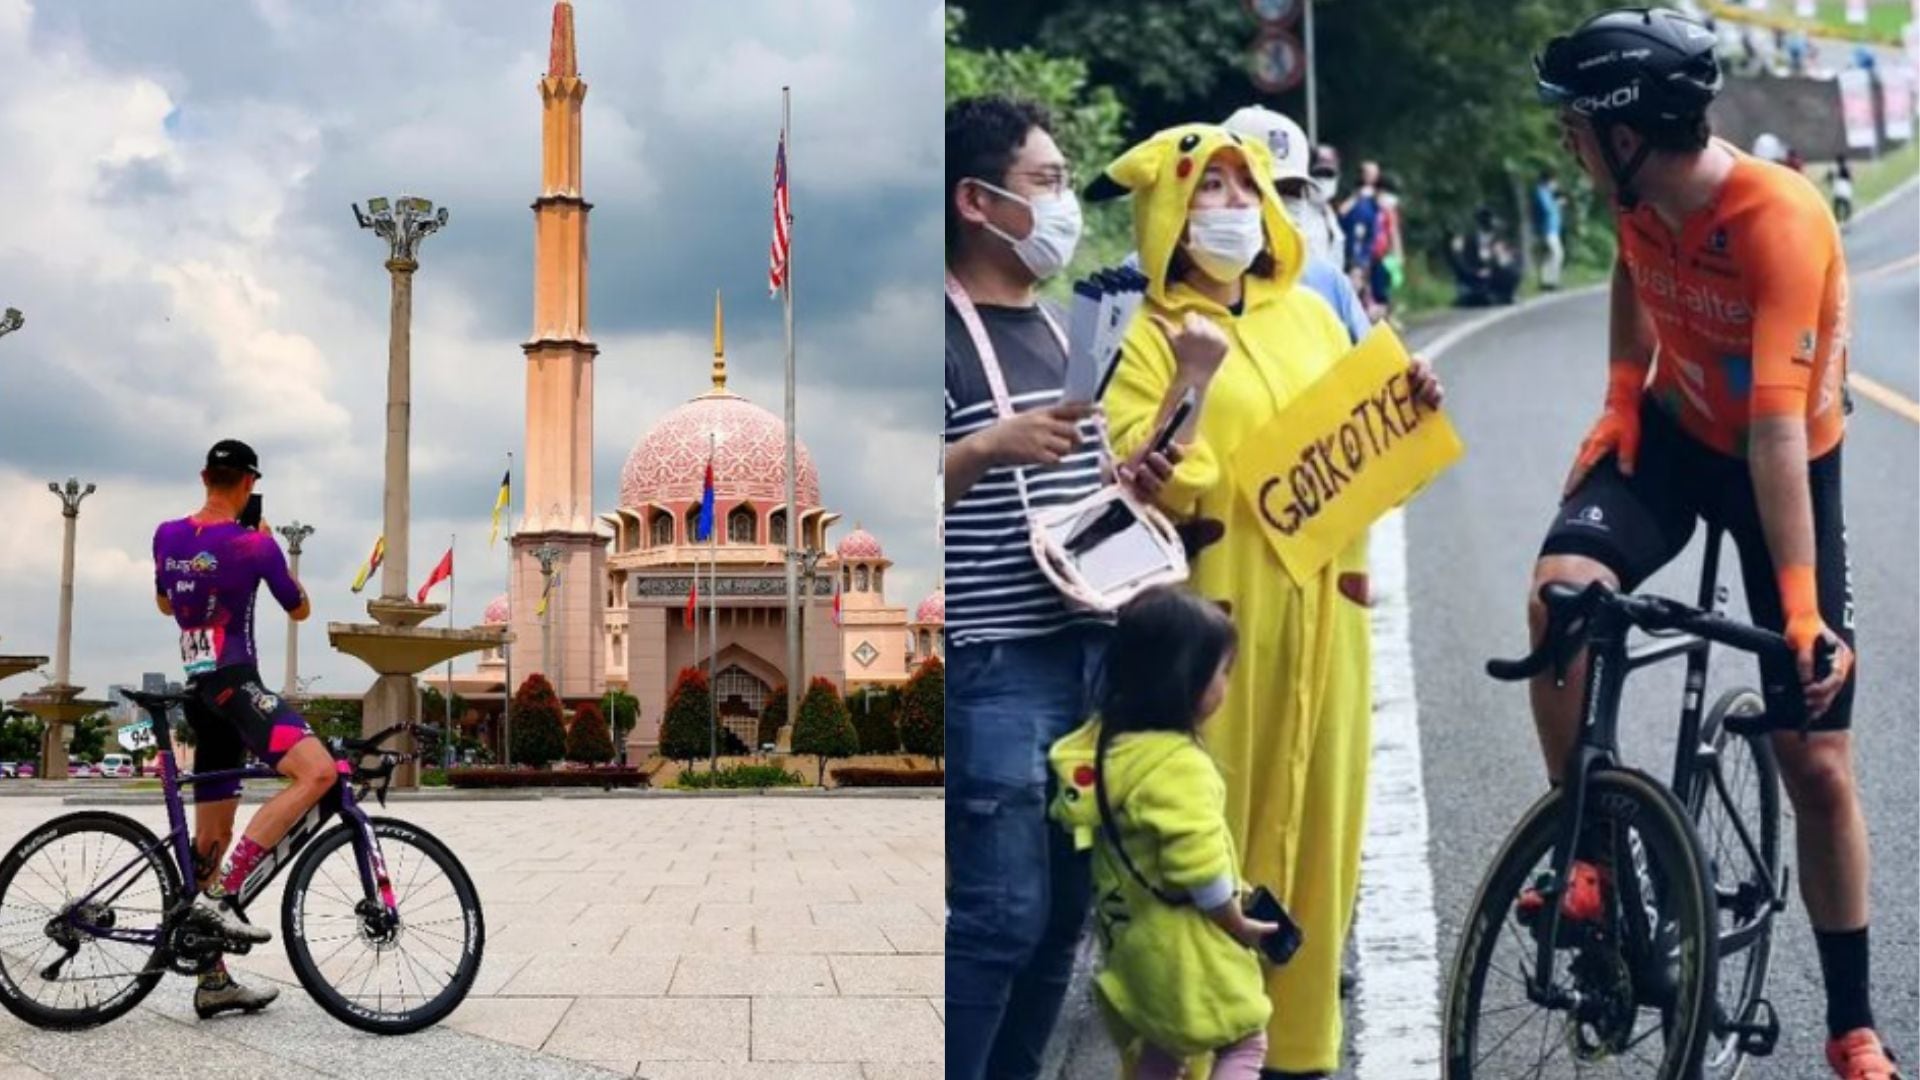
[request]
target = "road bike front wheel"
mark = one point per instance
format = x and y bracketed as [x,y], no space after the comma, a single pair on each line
[1626,1000]
[382,977]
[1743,884]
[83,903]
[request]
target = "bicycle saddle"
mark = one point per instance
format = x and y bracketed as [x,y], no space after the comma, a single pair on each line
[162,702]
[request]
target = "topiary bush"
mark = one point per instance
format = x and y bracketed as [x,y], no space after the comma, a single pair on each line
[740,776]
[588,740]
[923,716]
[824,728]
[774,716]
[848,776]
[539,739]
[685,735]
[875,720]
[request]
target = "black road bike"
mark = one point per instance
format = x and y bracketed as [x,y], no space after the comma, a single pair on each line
[382,925]
[1669,981]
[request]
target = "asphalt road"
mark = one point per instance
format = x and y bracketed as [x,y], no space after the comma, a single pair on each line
[1522,393]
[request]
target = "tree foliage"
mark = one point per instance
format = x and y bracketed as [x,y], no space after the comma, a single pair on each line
[685,732]
[622,711]
[90,737]
[20,734]
[539,739]
[923,711]
[588,740]
[824,728]
[774,716]
[875,714]
[1440,94]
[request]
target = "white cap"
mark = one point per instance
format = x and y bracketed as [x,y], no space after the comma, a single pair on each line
[1768,147]
[1285,140]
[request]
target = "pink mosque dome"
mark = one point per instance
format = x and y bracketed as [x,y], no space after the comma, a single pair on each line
[933,610]
[669,463]
[497,611]
[860,544]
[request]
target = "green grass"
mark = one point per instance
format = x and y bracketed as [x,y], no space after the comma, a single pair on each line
[1886,18]
[1874,178]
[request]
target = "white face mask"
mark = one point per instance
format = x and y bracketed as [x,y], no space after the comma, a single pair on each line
[1223,243]
[1048,246]
[1328,186]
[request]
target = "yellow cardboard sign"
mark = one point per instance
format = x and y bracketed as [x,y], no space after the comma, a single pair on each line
[1350,448]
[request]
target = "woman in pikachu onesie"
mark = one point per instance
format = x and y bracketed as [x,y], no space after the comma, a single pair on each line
[1223,317]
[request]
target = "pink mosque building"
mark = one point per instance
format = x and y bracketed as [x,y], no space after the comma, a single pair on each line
[618,611]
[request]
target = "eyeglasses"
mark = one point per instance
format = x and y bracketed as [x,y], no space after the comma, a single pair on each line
[1051,181]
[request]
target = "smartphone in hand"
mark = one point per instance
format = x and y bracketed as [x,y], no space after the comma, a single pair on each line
[1280,945]
[250,517]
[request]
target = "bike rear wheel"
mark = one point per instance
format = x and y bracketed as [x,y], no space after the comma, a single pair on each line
[1752,778]
[385,980]
[45,931]
[1495,1031]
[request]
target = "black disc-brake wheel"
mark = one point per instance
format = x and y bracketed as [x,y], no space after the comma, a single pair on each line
[63,888]
[1632,992]
[389,978]
[1742,883]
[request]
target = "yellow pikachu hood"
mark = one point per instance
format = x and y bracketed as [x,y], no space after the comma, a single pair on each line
[1162,174]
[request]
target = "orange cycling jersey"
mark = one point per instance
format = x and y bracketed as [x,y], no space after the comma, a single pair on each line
[1749,303]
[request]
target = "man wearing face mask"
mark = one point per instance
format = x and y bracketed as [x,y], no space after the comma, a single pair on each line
[1020,664]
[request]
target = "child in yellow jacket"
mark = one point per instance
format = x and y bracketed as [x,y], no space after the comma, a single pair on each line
[1179,969]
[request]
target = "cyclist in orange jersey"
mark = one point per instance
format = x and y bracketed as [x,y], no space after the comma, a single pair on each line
[1726,401]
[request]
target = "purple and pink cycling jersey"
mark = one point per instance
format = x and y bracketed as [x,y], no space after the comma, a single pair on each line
[210,572]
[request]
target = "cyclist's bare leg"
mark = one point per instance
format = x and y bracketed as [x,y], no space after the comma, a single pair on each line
[1829,826]
[212,832]
[311,769]
[1556,709]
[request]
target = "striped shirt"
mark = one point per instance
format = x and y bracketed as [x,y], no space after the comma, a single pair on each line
[995,590]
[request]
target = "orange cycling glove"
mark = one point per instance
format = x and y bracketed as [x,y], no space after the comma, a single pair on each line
[1800,600]
[1618,429]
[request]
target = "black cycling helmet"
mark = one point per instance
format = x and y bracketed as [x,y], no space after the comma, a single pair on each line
[1652,69]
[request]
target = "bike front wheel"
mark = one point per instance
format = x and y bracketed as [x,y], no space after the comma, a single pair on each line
[83,905]
[1632,992]
[388,979]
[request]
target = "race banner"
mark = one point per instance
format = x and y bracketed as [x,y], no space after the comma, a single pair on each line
[1856,109]
[1352,447]
[1896,97]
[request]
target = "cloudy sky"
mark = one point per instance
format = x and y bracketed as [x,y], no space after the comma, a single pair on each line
[176,181]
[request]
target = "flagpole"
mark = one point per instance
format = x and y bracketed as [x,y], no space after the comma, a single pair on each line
[713,616]
[506,649]
[793,508]
[453,587]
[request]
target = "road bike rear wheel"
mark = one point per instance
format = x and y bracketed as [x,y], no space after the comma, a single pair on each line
[56,972]
[1741,885]
[1621,1024]
[388,980]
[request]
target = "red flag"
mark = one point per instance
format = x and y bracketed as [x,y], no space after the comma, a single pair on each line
[782,220]
[440,574]
[693,601]
[836,601]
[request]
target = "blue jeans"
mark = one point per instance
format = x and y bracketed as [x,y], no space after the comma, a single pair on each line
[1017,892]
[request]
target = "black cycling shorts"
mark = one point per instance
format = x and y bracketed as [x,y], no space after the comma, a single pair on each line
[231,713]
[1634,525]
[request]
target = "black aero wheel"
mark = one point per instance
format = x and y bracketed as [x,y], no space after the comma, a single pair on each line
[388,980]
[66,884]
[1629,1021]
[1747,797]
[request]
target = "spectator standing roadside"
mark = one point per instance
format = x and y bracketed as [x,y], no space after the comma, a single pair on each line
[1840,183]
[1548,223]
[1360,218]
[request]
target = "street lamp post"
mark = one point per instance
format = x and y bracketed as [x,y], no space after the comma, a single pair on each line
[809,562]
[295,533]
[403,224]
[70,498]
[11,320]
[548,555]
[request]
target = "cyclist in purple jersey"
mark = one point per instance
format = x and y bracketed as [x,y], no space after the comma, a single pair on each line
[207,570]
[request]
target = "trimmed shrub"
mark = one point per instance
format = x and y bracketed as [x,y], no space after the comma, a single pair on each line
[863,776]
[684,732]
[876,720]
[588,741]
[539,739]
[546,778]
[774,716]
[923,716]
[740,776]
[824,729]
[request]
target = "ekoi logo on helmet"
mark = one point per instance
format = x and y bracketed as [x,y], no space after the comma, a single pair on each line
[1617,98]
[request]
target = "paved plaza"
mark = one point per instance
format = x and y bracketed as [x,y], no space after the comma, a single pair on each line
[667,937]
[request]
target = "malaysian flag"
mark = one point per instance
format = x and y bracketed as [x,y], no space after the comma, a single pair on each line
[777,253]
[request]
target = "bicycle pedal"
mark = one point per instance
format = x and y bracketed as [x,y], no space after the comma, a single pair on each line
[1758,1030]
